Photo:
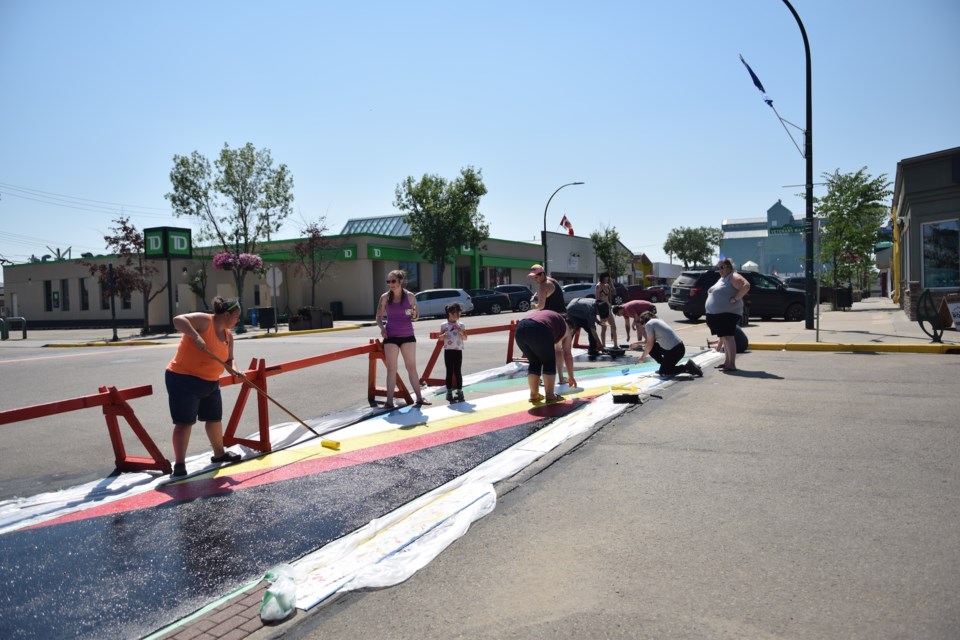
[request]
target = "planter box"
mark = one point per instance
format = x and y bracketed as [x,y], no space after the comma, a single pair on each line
[299,324]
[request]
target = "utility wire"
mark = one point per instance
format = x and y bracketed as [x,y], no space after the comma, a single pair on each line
[82,204]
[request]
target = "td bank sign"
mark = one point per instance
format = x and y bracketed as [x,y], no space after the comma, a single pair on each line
[167,242]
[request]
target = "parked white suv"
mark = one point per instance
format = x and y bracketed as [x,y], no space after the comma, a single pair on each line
[433,302]
[579,290]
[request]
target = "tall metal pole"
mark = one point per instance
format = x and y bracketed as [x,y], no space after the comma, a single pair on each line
[113,301]
[546,268]
[808,154]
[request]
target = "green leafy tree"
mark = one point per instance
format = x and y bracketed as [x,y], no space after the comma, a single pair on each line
[607,246]
[693,246]
[312,255]
[852,214]
[132,271]
[238,202]
[443,215]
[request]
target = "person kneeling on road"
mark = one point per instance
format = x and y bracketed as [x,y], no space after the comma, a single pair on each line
[665,346]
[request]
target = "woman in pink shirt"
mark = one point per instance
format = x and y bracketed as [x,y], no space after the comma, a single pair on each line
[399,307]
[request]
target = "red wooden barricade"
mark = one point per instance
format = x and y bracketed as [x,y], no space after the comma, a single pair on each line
[259,372]
[425,378]
[114,403]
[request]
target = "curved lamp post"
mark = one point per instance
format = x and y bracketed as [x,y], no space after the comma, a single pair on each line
[808,155]
[546,267]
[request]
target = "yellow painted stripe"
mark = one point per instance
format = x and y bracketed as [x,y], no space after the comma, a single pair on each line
[855,347]
[359,443]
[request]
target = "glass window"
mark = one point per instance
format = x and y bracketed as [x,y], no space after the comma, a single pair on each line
[84,295]
[104,296]
[762,283]
[65,295]
[125,301]
[941,254]
[47,295]
[412,269]
[498,276]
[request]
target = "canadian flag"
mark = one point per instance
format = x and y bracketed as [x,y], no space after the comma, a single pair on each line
[566,223]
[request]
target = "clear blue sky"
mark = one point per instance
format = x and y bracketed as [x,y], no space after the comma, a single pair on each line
[646,102]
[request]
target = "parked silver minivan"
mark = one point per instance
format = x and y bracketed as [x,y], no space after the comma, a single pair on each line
[433,302]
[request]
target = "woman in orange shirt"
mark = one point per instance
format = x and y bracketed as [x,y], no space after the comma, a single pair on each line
[192,378]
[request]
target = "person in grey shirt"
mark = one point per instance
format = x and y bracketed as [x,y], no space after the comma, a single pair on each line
[583,314]
[724,309]
[666,347]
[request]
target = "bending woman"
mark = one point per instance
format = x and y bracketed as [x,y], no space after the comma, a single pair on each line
[193,378]
[540,335]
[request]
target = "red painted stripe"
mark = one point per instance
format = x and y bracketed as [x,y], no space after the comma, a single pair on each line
[201,487]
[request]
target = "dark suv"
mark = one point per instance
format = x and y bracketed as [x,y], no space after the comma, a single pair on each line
[768,298]
[519,295]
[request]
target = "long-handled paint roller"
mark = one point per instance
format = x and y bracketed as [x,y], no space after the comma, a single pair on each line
[329,444]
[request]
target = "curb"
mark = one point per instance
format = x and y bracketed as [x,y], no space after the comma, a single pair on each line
[104,343]
[855,347]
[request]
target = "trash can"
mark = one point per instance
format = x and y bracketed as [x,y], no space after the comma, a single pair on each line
[336,308]
[843,298]
[267,316]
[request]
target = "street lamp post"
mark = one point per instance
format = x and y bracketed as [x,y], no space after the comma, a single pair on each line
[808,155]
[546,267]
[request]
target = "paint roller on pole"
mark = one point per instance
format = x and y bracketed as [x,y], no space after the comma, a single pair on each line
[329,444]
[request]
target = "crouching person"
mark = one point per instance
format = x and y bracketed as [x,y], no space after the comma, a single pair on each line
[665,346]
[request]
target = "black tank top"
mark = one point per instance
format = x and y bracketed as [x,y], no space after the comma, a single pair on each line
[555,299]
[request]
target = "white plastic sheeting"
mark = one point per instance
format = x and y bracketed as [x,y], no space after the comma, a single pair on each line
[392,548]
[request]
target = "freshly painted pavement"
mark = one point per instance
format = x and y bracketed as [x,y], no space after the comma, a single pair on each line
[810,495]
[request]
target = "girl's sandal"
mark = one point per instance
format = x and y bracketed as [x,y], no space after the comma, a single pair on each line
[537,399]
[556,398]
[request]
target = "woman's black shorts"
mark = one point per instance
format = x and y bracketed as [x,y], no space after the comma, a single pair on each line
[723,324]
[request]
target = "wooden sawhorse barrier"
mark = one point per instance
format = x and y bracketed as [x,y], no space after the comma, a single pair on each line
[114,403]
[426,380]
[259,372]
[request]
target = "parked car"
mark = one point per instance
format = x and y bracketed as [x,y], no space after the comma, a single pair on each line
[519,295]
[768,297]
[578,290]
[488,301]
[589,290]
[433,302]
[798,282]
[655,293]
[620,294]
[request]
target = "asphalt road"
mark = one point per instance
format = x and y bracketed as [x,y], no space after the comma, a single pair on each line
[47,454]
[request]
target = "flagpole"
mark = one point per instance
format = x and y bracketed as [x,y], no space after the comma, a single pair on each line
[546,266]
[808,149]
